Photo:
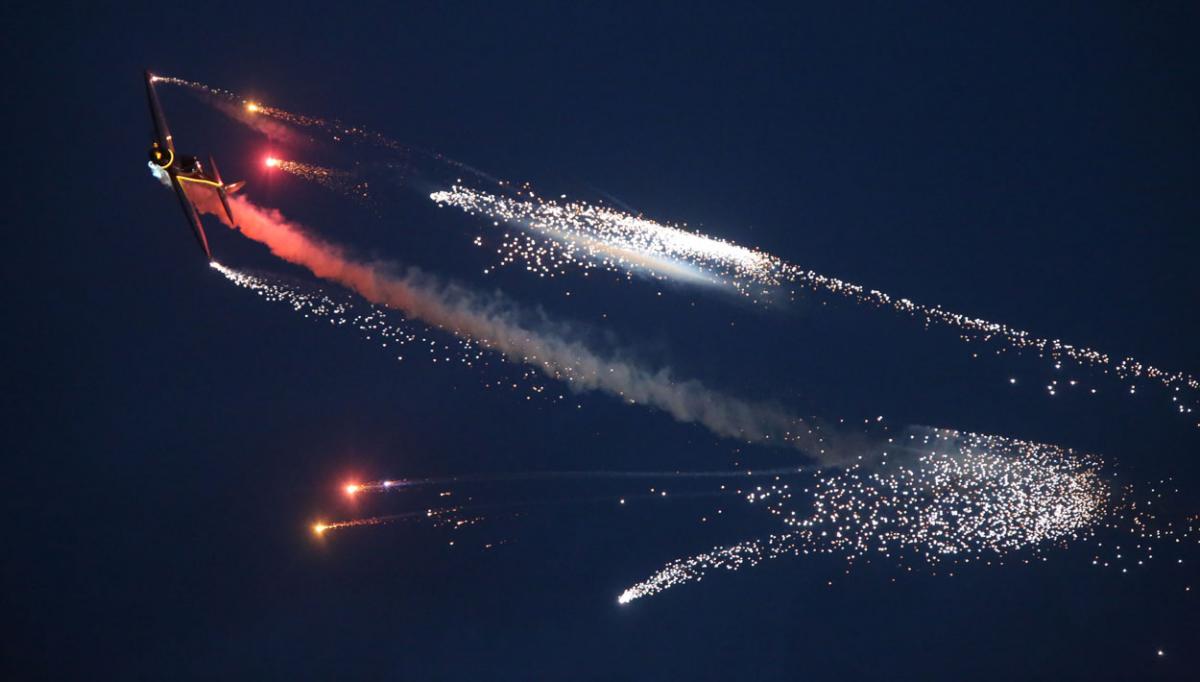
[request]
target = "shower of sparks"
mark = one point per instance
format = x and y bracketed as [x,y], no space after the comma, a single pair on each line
[579,235]
[342,182]
[394,333]
[966,498]
[590,237]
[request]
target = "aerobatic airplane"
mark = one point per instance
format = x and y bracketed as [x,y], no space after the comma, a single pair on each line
[174,170]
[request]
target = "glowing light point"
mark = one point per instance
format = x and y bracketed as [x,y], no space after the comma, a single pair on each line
[352,488]
[626,597]
[272,162]
[252,107]
[319,529]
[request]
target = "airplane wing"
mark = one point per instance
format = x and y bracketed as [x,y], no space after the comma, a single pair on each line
[193,217]
[156,114]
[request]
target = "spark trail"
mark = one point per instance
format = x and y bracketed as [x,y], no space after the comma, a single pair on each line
[587,236]
[321,528]
[969,499]
[281,124]
[340,181]
[556,350]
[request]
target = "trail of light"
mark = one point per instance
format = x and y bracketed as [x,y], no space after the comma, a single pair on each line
[495,323]
[257,109]
[971,498]
[342,182]
[587,236]
[242,110]
[321,528]
[388,485]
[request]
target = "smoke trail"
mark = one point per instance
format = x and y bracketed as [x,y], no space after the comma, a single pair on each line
[494,322]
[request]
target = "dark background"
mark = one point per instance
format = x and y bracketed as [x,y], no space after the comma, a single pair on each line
[169,438]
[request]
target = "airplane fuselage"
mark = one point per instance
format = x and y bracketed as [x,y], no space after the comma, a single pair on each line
[186,168]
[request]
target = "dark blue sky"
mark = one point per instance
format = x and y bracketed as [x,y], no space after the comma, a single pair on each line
[169,437]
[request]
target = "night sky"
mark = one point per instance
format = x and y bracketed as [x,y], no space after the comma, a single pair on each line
[170,438]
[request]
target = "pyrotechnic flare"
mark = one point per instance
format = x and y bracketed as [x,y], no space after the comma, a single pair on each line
[321,528]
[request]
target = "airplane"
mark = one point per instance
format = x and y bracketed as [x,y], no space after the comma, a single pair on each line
[174,169]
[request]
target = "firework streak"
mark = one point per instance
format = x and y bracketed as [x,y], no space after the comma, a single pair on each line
[587,236]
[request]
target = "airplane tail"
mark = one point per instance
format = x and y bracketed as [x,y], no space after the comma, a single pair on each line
[222,190]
